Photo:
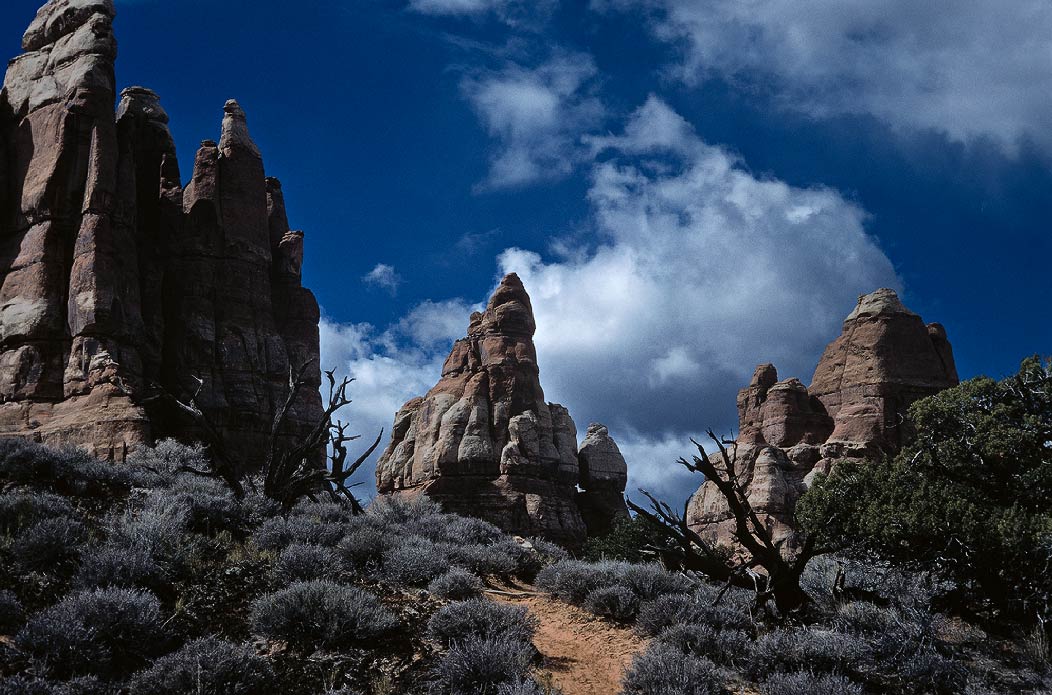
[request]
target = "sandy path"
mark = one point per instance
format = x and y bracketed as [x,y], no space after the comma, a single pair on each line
[581,654]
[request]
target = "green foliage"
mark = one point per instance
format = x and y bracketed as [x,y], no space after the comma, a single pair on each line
[967,499]
[627,541]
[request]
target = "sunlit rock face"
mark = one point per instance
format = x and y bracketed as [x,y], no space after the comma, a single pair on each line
[484,442]
[114,280]
[885,359]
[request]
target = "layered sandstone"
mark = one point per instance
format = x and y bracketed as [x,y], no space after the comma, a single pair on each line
[885,359]
[604,475]
[114,280]
[484,442]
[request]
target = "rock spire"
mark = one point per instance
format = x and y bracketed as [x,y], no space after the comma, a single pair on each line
[885,359]
[114,280]
[484,442]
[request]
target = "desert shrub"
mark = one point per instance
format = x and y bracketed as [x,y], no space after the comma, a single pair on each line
[451,528]
[570,580]
[19,510]
[103,632]
[727,647]
[666,611]
[524,686]
[320,614]
[257,509]
[650,581]
[463,529]
[52,546]
[66,471]
[574,581]
[499,559]
[392,509]
[12,616]
[456,584]
[26,685]
[158,466]
[482,666]
[1036,647]
[614,602]
[415,562]
[927,671]
[325,512]
[129,567]
[207,512]
[481,619]
[663,670]
[809,683]
[627,540]
[363,547]
[889,630]
[549,552]
[788,650]
[161,533]
[302,562]
[280,532]
[207,666]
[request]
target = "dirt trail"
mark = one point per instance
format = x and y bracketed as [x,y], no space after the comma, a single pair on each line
[581,654]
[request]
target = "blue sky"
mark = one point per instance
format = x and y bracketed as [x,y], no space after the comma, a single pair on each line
[687,189]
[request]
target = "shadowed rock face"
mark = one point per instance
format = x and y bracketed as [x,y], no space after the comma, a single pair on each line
[885,359]
[485,443]
[114,280]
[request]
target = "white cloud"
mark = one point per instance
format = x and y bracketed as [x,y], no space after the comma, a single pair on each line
[536,116]
[391,366]
[701,271]
[384,277]
[974,68]
[513,12]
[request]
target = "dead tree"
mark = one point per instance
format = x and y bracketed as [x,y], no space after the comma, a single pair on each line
[780,577]
[339,471]
[293,473]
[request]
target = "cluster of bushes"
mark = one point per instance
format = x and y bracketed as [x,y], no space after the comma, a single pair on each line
[966,498]
[705,638]
[609,588]
[148,577]
[490,649]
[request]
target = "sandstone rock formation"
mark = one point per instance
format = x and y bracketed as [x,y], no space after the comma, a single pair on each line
[604,475]
[113,279]
[885,359]
[485,443]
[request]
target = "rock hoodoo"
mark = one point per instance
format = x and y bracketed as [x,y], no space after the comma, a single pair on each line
[484,442]
[885,359]
[114,279]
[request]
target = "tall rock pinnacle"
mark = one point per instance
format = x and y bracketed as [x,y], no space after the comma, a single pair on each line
[113,280]
[485,443]
[885,359]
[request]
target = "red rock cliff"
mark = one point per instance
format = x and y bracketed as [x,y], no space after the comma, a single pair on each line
[885,359]
[113,279]
[485,443]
